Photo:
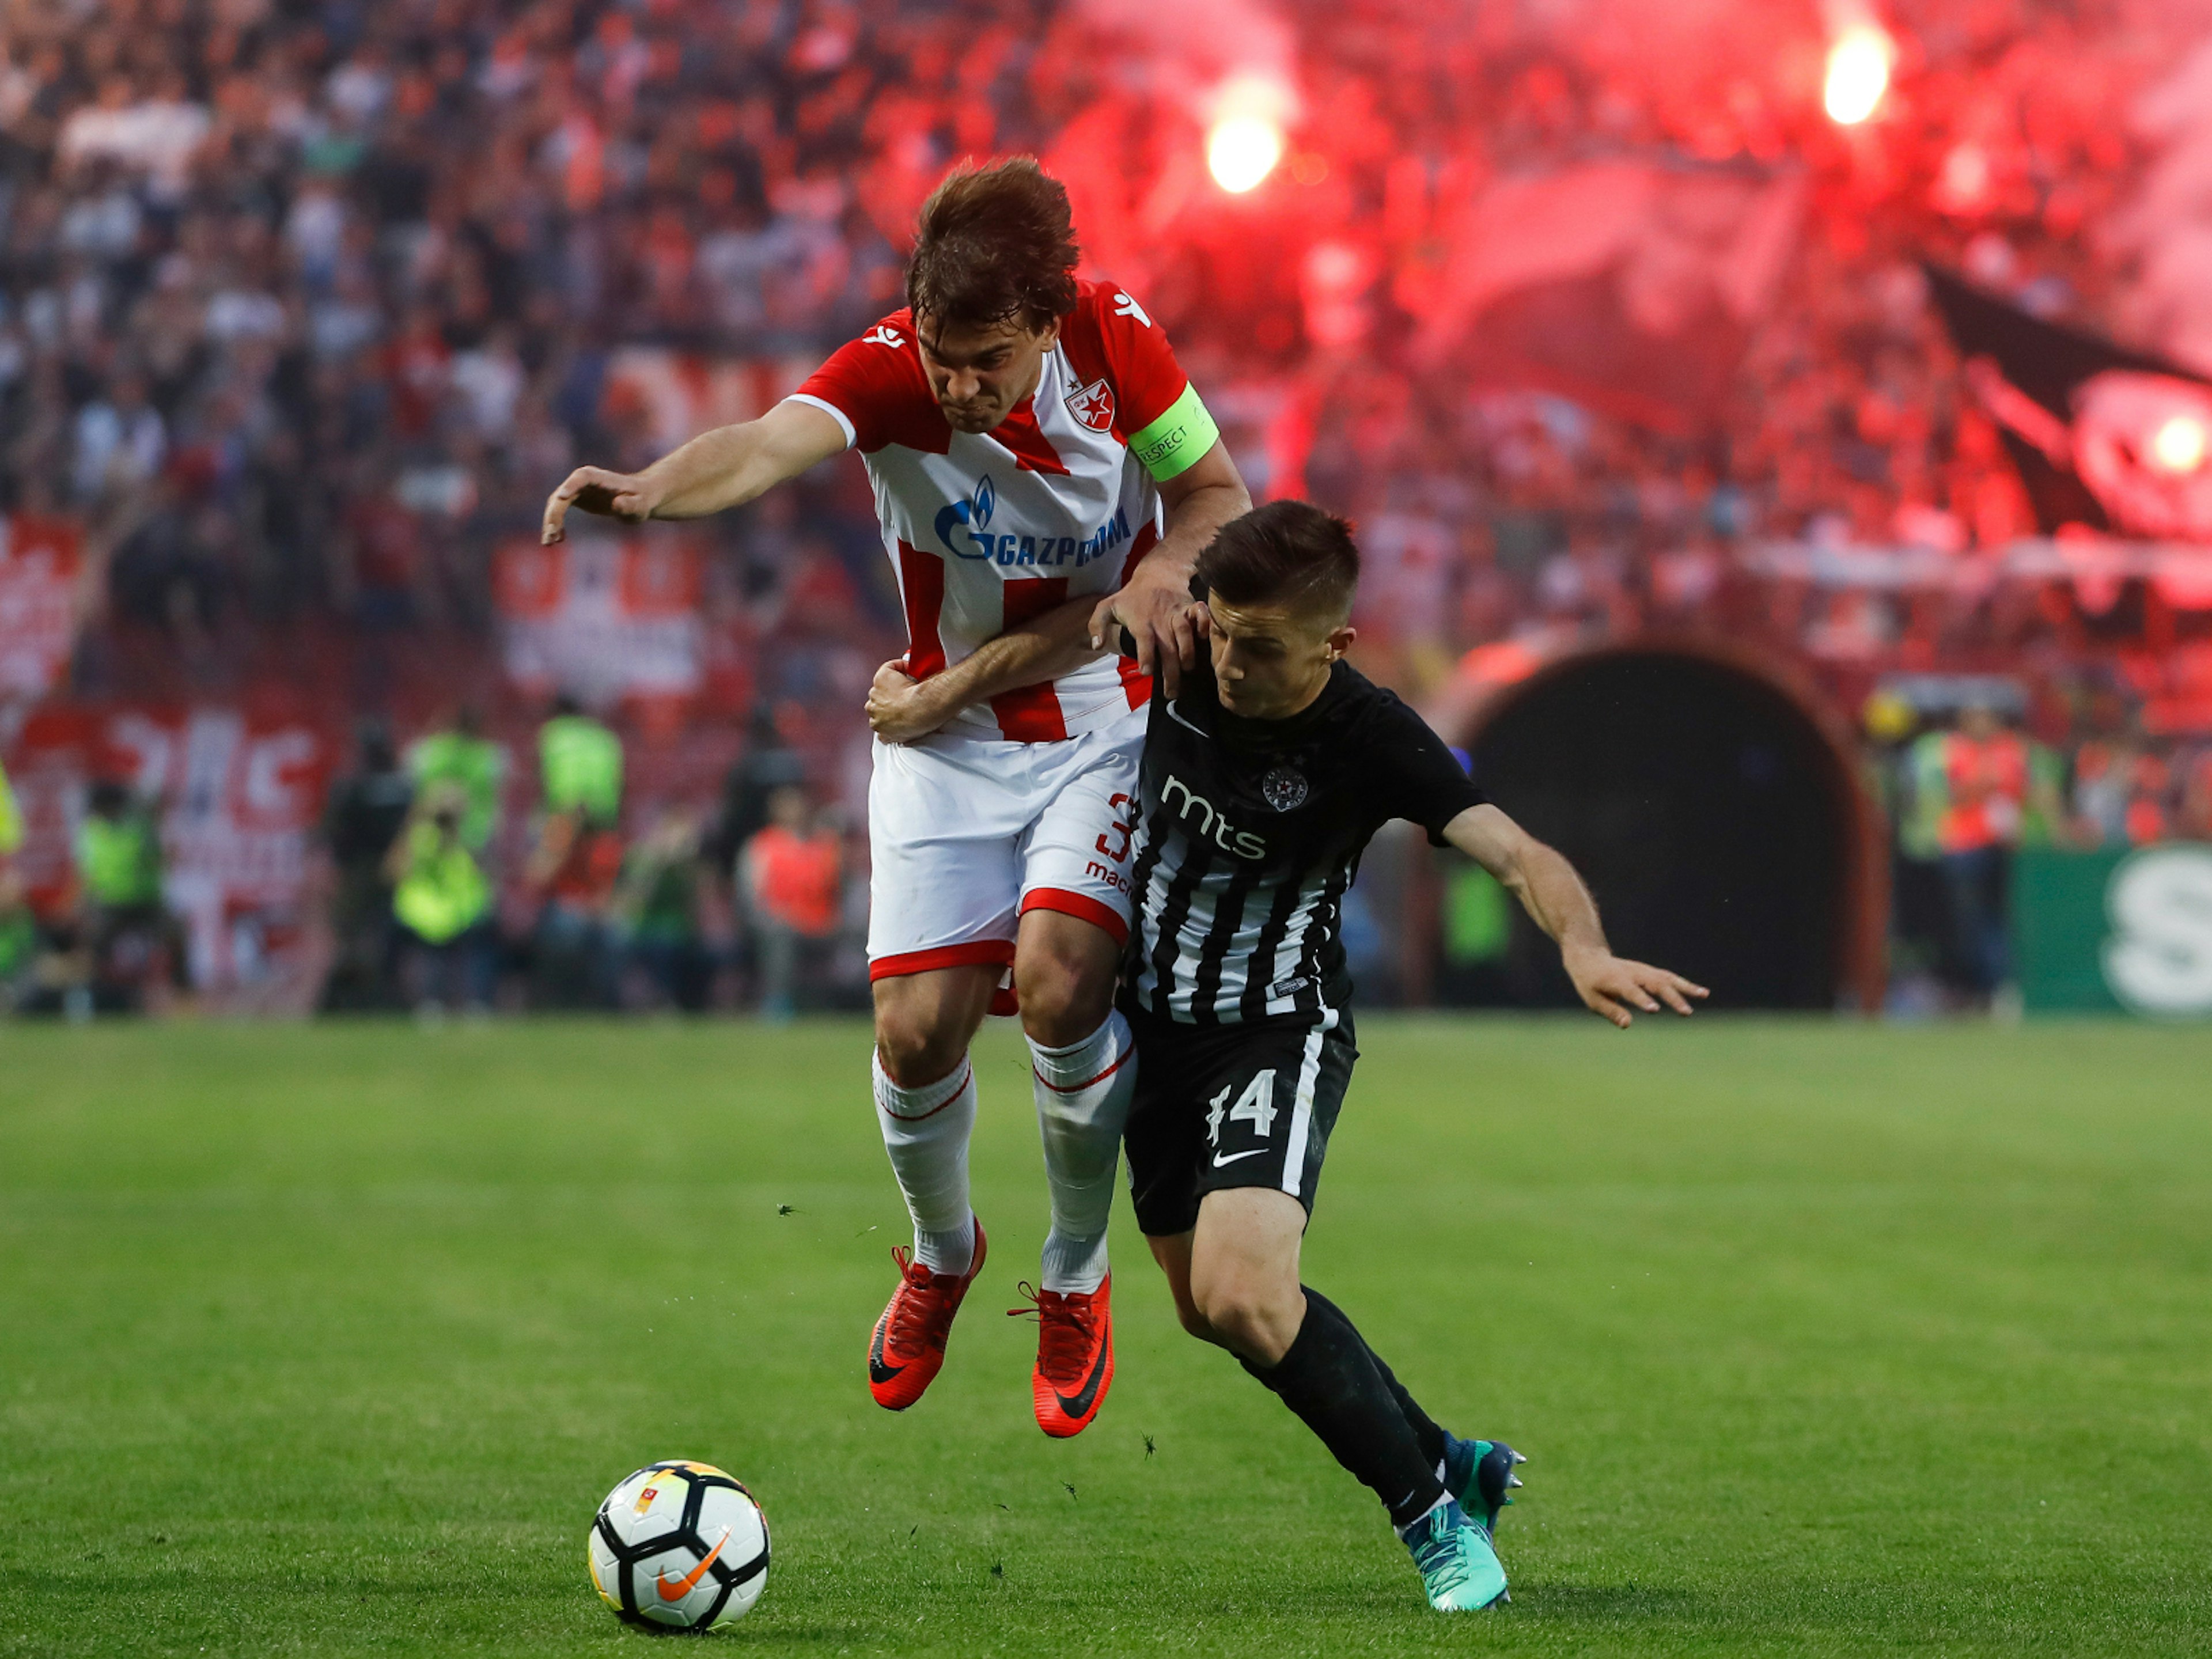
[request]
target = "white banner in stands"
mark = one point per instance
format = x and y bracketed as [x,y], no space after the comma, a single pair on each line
[239,795]
[600,618]
[38,604]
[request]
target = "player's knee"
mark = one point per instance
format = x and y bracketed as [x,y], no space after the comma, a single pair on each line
[1235,1311]
[914,1053]
[1062,1002]
[1194,1322]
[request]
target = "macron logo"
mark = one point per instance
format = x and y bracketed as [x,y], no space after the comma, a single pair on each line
[882,334]
[1126,306]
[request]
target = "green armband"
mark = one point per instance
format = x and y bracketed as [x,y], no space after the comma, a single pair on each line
[1173,443]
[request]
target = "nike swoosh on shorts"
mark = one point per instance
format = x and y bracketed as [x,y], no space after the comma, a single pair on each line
[1219,1160]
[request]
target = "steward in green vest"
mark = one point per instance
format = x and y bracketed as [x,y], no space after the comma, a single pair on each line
[438,890]
[464,755]
[118,852]
[581,765]
[19,936]
[11,817]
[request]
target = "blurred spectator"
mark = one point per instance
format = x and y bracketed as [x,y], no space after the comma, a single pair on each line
[133,949]
[461,755]
[658,901]
[18,930]
[580,762]
[11,819]
[790,872]
[2194,821]
[770,763]
[443,905]
[1984,776]
[576,954]
[363,821]
[2121,790]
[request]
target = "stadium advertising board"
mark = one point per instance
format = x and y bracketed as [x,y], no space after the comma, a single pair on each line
[239,795]
[2112,931]
[39,570]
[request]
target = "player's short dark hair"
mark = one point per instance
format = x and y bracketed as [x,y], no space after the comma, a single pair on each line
[1285,553]
[994,244]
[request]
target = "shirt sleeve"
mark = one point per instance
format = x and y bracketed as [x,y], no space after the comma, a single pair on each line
[1168,425]
[868,384]
[1426,782]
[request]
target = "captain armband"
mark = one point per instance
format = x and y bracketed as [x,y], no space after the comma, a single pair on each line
[1173,443]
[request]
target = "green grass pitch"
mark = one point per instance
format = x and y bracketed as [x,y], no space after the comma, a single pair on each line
[1823,1339]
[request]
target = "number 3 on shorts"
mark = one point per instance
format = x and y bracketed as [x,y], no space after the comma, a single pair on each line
[1255,1106]
[1122,828]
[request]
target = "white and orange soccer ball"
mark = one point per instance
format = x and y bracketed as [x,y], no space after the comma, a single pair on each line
[680,1545]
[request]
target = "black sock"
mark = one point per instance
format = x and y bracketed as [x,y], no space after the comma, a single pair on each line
[1424,1427]
[1331,1381]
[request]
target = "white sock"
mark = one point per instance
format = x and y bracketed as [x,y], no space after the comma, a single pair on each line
[926,1132]
[1083,1099]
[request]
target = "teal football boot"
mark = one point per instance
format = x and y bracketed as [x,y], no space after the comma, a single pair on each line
[1479,1475]
[1459,1568]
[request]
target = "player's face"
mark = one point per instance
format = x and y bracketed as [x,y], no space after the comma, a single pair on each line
[980,375]
[1270,660]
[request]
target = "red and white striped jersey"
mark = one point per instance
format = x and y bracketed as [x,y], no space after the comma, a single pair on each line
[988,530]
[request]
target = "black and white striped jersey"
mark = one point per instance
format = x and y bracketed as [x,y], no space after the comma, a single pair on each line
[1249,832]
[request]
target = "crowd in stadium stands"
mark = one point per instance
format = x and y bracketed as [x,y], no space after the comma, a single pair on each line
[305,303]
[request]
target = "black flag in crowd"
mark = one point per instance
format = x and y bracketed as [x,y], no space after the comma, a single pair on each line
[2104,438]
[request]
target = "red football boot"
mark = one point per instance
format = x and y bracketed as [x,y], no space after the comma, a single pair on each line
[1075,1356]
[908,1348]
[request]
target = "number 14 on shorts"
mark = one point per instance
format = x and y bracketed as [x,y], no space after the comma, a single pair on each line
[1255,1106]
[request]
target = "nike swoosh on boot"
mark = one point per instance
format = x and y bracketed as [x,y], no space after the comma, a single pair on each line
[1075,1404]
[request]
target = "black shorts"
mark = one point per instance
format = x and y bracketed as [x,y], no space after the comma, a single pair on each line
[1223,1106]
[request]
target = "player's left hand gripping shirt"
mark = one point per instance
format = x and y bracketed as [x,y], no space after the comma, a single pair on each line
[1249,832]
[988,530]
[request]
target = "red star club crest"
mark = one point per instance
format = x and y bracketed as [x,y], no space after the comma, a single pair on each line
[1093,405]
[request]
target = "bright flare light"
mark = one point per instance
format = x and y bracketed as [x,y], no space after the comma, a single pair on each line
[2179,446]
[1858,75]
[1242,150]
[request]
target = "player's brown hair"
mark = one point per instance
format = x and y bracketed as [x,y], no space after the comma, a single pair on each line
[1285,553]
[994,244]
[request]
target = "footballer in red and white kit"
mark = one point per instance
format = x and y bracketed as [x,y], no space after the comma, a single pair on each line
[1045,475]
[1021,802]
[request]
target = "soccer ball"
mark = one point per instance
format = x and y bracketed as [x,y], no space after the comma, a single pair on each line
[680,1545]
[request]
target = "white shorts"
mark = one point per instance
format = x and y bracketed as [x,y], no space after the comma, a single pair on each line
[966,832]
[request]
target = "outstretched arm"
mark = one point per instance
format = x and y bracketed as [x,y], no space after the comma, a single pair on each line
[724,468]
[1555,898]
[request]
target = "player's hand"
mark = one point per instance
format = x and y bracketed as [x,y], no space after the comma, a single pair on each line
[625,496]
[1158,614]
[901,707]
[1611,985]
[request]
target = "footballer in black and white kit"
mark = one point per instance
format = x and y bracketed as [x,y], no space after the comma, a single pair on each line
[1266,772]
[1249,832]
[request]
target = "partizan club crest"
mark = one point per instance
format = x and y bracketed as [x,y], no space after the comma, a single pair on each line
[1093,405]
[1285,788]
